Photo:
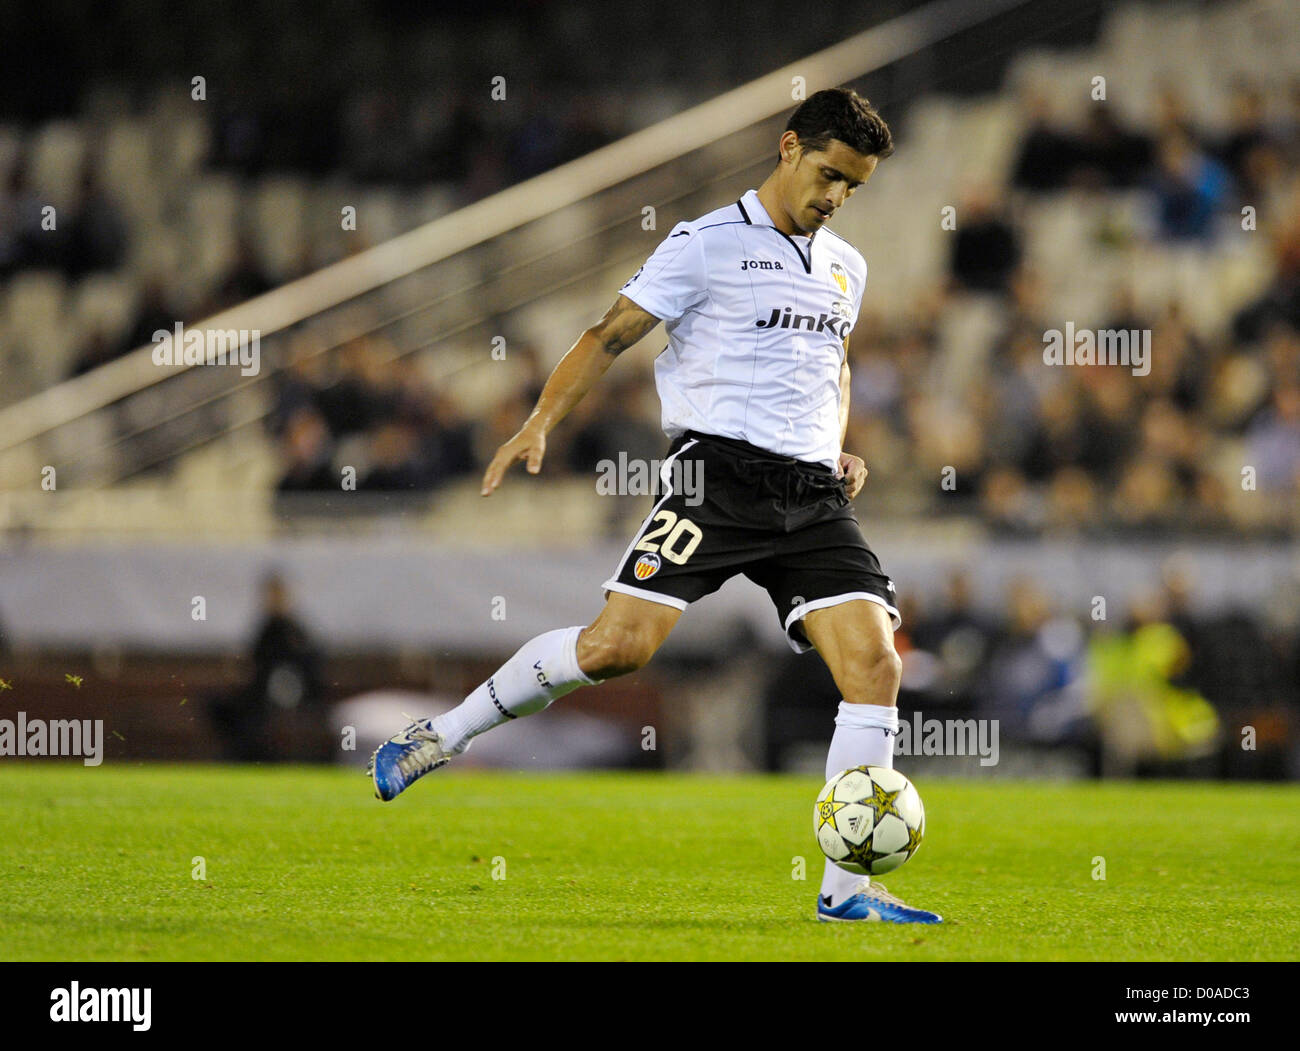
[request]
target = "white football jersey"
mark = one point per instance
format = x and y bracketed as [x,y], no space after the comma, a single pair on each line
[756,323]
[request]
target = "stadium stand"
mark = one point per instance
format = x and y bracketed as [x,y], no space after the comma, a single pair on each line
[1128,213]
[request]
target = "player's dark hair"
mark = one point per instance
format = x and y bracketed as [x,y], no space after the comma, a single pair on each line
[837,113]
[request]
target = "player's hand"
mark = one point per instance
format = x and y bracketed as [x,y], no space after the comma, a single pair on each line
[528,445]
[854,472]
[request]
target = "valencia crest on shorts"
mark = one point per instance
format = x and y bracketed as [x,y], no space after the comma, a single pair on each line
[786,524]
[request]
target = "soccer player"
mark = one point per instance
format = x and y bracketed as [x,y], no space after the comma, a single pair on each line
[758,299]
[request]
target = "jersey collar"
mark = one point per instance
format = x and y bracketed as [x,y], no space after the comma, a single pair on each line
[751,208]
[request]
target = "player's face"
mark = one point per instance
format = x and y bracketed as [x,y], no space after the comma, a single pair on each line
[820,181]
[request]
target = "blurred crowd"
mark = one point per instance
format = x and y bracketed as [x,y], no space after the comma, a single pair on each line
[1159,687]
[428,152]
[371,409]
[1035,448]
[1192,174]
[1032,449]
[92,237]
[1209,440]
[367,406]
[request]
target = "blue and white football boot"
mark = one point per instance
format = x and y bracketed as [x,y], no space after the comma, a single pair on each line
[871,903]
[405,758]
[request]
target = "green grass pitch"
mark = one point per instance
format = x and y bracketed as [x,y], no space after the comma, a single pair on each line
[302,864]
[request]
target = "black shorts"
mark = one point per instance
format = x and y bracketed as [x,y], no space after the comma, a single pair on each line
[729,507]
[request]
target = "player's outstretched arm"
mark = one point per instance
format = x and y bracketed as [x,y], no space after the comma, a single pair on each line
[577,372]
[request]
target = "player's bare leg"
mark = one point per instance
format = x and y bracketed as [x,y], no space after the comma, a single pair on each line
[856,640]
[624,635]
[622,638]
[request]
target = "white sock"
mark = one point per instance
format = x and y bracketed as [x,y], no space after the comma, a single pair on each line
[860,739]
[544,669]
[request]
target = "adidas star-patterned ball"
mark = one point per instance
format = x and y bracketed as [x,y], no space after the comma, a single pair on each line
[869,819]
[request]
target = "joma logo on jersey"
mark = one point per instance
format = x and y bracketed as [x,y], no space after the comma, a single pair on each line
[821,323]
[760,264]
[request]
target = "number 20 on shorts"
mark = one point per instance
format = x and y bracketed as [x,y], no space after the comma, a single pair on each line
[683,537]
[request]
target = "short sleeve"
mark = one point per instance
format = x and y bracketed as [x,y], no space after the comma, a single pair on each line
[673,279]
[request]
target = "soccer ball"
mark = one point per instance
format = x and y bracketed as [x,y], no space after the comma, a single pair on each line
[869,819]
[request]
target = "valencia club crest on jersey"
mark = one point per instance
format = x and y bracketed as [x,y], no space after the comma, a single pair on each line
[840,277]
[646,567]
